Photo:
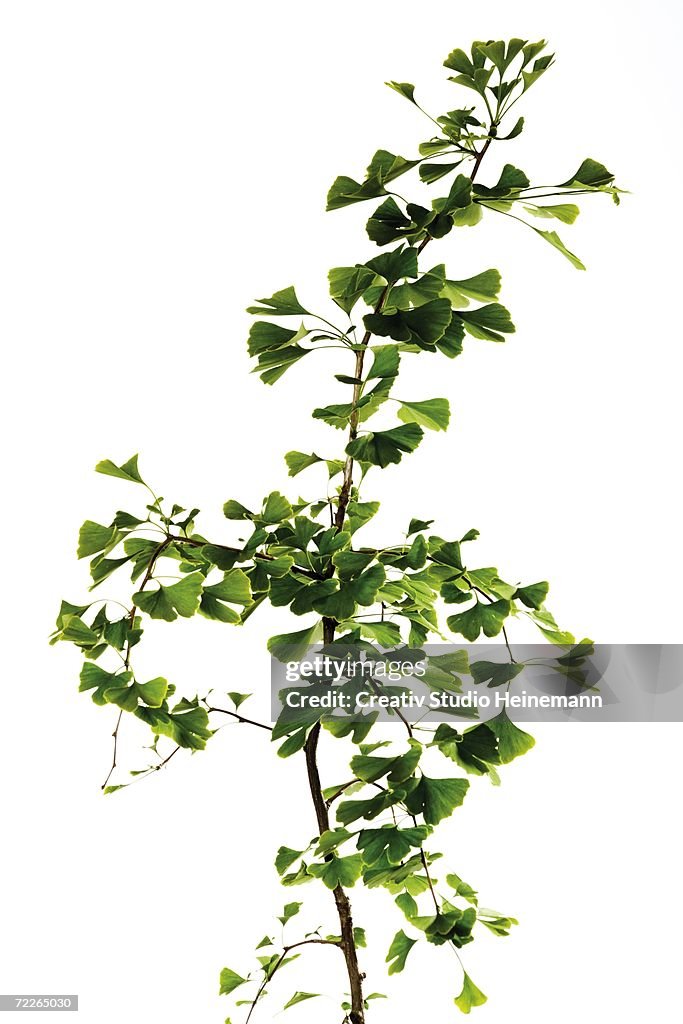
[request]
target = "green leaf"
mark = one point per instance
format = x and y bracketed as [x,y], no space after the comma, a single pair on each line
[387,223]
[93,537]
[234,588]
[230,981]
[285,858]
[343,871]
[468,217]
[457,60]
[462,888]
[387,634]
[436,799]
[153,693]
[398,952]
[385,447]
[554,239]
[422,326]
[290,911]
[128,471]
[393,266]
[495,673]
[181,597]
[517,130]
[451,341]
[499,924]
[403,89]
[292,646]
[495,51]
[429,173]
[540,67]
[482,287]
[330,840]
[345,191]
[434,413]
[386,166]
[272,365]
[531,50]
[385,362]
[417,525]
[512,741]
[488,580]
[396,843]
[533,595]
[282,303]
[276,508]
[187,724]
[488,322]
[459,196]
[125,697]
[362,590]
[481,617]
[94,678]
[300,997]
[267,337]
[590,173]
[298,461]
[234,510]
[566,212]
[292,745]
[511,180]
[347,285]
[470,995]
[370,768]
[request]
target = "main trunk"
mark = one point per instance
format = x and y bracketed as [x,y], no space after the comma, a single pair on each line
[348,942]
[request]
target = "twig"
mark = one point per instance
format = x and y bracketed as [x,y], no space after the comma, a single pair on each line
[240,718]
[115,734]
[270,974]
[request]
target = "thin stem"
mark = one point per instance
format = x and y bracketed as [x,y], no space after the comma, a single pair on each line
[347,483]
[239,718]
[270,974]
[115,734]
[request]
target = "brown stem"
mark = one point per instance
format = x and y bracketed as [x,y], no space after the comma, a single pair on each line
[347,480]
[115,734]
[240,718]
[348,941]
[279,962]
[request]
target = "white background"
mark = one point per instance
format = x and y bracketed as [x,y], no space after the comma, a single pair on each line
[164,164]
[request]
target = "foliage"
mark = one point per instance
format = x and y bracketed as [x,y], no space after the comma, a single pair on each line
[305,555]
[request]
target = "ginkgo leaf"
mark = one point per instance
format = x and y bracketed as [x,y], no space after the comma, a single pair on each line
[436,799]
[566,212]
[482,287]
[347,285]
[127,471]
[481,617]
[469,996]
[403,89]
[229,981]
[434,413]
[488,322]
[590,173]
[554,239]
[300,997]
[282,303]
[386,446]
[398,952]
[298,461]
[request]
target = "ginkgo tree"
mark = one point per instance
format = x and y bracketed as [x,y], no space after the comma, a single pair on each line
[375,828]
